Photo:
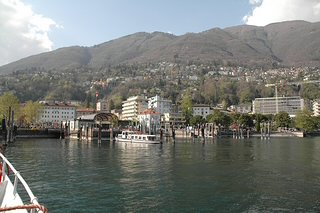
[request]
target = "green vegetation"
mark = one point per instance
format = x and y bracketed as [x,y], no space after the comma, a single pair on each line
[8,100]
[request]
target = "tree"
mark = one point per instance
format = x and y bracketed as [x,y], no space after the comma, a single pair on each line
[304,120]
[8,100]
[245,120]
[235,117]
[282,119]
[219,117]
[195,120]
[117,100]
[258,123]
[111,105]
[88,99]
[186,108]
[32,111]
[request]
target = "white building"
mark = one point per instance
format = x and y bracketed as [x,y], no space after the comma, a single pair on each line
[56,112]
[149,121]
[133,106]
[201,109]
[316,107]
[159,104]
[276,105]
[240,108]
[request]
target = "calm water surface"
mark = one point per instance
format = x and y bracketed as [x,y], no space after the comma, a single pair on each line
[225,175]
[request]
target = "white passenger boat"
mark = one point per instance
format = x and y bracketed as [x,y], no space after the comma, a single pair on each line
[134,137]
[10,201]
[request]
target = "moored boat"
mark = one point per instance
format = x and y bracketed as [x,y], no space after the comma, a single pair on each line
[10,200]
[134,137]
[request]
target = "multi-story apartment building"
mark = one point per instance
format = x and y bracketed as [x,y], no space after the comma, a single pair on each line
[276,105]
[201,109]
[133,106]
[316,107]
[159,104]
[56,112]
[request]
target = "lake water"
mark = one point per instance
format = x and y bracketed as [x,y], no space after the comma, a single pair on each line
[224,175]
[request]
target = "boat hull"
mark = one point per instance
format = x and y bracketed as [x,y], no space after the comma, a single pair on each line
[136,141]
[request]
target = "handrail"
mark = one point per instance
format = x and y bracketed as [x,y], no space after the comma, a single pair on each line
[17,178]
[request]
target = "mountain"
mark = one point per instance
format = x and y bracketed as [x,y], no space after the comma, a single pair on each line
[292,43]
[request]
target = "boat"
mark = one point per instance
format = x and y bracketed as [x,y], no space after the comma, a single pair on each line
[136,137]
[10,199]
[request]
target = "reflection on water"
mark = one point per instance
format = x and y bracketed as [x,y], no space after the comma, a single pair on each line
[225,175]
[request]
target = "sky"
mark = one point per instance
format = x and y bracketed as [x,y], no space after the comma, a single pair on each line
[30,27]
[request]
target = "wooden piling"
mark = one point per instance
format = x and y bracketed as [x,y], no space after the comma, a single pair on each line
[61,130]
[8,126]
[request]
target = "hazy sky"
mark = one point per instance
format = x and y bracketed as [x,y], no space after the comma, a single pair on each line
[29,27]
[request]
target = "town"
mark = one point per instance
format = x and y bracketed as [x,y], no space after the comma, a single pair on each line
[193,80]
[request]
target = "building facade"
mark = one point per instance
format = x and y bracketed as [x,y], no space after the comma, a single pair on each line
[202,110]
[159,104]
[316,107]
[133,106]
[84,111]
[55,113]
[240,108]
[276,105]
[102,106]
[175,119]
[149,121]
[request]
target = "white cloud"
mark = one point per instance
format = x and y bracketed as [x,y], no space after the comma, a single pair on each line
[271,11]
[254,1]
[22,32]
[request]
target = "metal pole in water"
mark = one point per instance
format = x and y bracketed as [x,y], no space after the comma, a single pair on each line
[8,129]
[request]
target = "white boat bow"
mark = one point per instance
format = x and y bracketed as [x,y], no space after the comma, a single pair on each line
[9,197]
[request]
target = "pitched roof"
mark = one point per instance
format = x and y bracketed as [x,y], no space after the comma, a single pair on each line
[149,112]
[85,110]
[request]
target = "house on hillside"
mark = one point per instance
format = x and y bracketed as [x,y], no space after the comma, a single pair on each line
[202,110]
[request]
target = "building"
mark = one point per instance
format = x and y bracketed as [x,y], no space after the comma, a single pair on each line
[316,107]
[133,106]
[202,110]
[102,106]
[112,82]
[84,111]
[240,108]
[276,105]
[149,121]
[159,104]
[55,113]
[175,119]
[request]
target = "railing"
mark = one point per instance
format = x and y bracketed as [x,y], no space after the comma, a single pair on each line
[18,178]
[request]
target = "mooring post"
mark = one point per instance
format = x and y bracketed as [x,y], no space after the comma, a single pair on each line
[268,130]
[8,125]
[99,133]
[4,129]
[60,130]
[111,133]
[265,131]
[11,134]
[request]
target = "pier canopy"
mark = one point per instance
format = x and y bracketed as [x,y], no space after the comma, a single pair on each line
[98,117]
